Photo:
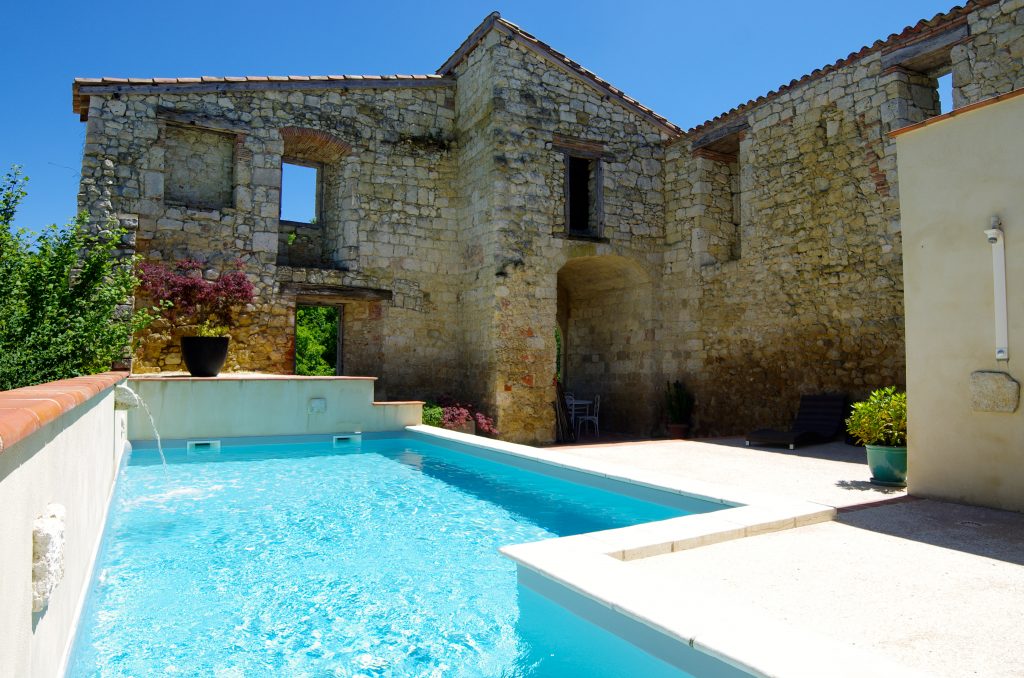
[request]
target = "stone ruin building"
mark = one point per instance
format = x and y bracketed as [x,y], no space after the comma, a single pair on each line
[461,217]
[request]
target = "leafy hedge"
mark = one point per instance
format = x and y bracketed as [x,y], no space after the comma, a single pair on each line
[62,297]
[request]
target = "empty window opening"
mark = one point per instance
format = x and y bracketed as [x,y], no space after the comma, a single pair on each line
[945,92]
[582,195]
[318,340]
[736,193]
[300,192]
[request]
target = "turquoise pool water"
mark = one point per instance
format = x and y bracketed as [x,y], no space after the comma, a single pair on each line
[380,559]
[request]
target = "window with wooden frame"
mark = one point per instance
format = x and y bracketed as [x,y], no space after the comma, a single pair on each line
[584,186]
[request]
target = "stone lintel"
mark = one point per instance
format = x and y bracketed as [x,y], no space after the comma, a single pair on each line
[201,121]
[928,52]
[324,294]
[578,147]
[717,156]
[724,139]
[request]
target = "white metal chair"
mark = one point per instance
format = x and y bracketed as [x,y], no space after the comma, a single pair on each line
[590,419]
[576,408]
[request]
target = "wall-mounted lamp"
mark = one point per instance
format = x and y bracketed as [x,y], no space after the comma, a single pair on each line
[995,238]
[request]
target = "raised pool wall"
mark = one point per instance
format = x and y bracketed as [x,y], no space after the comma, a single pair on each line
[266,405]
[60,443]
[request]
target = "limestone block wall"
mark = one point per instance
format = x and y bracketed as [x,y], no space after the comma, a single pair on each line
[756,257]
[991,62]
[477,301]
[388,208]
[535,108]
[808,297]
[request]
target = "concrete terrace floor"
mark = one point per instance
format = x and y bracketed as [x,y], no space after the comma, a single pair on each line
[935,586]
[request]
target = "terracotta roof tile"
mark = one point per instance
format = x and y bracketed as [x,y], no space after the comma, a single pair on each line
[80,86]
[494,21]
[908,35]
[23,411]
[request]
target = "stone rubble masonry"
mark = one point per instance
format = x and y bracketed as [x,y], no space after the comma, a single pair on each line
[757,257]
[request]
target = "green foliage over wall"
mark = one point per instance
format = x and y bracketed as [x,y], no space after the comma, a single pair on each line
[316,340]
[433,414]
[62,297]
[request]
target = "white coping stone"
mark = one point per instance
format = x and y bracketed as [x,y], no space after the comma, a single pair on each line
[596,565]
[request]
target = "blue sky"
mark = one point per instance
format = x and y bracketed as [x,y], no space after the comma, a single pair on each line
[687,60]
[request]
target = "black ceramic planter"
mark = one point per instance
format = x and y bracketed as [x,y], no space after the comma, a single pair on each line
[204,356]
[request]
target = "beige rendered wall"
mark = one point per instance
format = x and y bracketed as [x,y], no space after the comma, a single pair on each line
[954,175]
[72,461]
[234,407]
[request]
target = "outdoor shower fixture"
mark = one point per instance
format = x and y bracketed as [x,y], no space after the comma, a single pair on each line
[995,238]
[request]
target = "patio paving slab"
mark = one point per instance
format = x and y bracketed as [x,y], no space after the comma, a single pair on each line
[834,474]
[937,586]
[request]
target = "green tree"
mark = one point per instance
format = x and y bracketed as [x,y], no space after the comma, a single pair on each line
[63,296]
[316,340]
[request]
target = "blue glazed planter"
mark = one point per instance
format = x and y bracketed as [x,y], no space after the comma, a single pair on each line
[888,465]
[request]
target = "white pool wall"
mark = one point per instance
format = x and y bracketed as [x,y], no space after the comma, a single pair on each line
[229,407]
[71,460]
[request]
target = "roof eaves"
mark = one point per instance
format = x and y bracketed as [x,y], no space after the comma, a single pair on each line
[81,88]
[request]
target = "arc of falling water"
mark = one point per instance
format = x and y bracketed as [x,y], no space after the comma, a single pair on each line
[125,396]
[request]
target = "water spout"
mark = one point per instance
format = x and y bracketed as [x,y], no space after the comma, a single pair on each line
[125,398]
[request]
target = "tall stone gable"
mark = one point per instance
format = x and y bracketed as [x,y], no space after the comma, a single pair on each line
[513,217]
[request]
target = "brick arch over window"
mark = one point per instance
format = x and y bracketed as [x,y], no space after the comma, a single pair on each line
[313,144]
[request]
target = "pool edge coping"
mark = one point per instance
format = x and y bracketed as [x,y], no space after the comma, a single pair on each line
[595,565]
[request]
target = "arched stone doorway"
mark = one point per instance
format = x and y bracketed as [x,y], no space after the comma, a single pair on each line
[605,316]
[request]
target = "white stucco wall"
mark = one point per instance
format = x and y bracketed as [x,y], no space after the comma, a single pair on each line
[232,407]
[72,461]
[955,173]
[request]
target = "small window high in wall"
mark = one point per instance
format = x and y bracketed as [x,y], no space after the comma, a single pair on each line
[300,192]
[945,88]
[583,186]
[580,180]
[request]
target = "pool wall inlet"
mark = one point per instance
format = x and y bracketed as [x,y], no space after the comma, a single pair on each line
[232,406]
[61,443]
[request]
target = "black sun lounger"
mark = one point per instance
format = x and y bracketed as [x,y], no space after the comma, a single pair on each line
[819,419]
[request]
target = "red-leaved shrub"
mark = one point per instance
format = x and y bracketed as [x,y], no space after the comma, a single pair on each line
[193,299]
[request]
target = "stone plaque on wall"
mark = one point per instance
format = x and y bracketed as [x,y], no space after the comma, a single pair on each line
[994,392]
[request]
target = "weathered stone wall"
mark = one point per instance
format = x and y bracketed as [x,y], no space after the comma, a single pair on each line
[757,257]
[805,293]
[199,167]
[531,102]
[387,211]
[808,297]
[610,340]
[992,61]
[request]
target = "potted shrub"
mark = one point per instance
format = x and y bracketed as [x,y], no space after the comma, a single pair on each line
[678,408]
[880,425]
[202,309]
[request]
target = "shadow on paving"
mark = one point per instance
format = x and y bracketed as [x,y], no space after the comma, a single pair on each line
[835,450]
[971,529]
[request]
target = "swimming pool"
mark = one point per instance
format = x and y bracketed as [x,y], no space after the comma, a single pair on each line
[376,558]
